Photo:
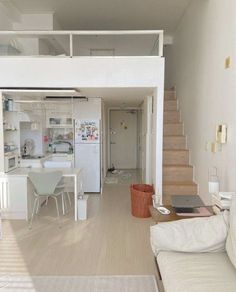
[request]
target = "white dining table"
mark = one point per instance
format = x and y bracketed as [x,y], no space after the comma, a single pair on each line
[74,173]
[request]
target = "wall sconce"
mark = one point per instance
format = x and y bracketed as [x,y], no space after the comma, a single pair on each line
[221,134]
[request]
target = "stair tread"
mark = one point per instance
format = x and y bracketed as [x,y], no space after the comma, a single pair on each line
[178,165]
[182,183]
[166,111]
[182,149]
[174,123]
[174,136]
[176,150]
[171,123]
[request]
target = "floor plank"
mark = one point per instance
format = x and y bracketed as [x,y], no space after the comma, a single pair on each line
[110,242]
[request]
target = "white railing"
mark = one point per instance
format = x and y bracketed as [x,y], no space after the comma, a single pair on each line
[81,43]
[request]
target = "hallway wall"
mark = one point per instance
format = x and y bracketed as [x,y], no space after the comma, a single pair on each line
[206,90]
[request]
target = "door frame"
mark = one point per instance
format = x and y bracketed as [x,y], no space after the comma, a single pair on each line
[108,129]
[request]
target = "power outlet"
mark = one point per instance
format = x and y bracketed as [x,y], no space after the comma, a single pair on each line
[207,146]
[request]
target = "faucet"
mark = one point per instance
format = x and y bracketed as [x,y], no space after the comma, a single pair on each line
[62,142]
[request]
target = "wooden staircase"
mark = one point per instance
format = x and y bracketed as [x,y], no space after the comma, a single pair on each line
[177,172]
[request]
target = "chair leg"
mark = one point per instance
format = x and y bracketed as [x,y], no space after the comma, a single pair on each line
[68,196]
[33,212]
[47,201]
[63,203]
[58,214]
[66,209]
[38,206]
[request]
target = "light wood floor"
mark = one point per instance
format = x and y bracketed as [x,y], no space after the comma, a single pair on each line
[110,242]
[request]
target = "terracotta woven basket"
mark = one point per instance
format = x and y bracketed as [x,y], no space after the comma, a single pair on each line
[141,199]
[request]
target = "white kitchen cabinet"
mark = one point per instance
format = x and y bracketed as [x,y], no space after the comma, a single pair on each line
[59,120]
[59,116]
[16,197]
[34,163]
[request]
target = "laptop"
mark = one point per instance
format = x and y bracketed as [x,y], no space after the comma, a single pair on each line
[186,203]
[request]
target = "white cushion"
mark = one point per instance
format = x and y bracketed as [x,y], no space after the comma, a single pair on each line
[191,235]
[231,239]
[197,272]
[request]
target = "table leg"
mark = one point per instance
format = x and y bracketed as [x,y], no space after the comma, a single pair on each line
[76,196]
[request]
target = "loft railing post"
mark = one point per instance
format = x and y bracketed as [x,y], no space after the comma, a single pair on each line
[71,45]
[160,44]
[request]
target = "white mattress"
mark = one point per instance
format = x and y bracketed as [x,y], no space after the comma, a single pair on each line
[197,272]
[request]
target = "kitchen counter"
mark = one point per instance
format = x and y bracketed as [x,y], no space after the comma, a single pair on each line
[24,171]
[35,162]
[17,192]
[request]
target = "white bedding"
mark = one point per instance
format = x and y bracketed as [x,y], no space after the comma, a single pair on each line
[197,272]
[191,235]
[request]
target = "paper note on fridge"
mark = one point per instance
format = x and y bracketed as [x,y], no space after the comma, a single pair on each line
[87,131]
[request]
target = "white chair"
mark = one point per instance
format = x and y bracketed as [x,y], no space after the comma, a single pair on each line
[45,185]
[62,183]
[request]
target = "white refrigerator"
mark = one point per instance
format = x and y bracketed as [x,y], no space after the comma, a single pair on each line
[88,154]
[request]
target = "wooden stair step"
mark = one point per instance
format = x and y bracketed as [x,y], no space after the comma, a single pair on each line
[175,188]
[171,105]
[173,129]
[170,95]
[171,117]
[174,156]
[177,173]
[174,142]
[180,188]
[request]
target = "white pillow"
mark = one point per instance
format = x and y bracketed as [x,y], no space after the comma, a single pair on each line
[191,235]
[231,239]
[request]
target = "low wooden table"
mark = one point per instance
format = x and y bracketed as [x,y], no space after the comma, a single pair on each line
[158,217]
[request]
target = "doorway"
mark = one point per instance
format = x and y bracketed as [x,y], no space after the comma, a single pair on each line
[123,138]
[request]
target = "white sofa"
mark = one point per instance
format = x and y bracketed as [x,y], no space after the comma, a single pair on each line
[197,255]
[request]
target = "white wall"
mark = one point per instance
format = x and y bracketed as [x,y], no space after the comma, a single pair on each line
[139,138]
[82,72]
[5,21]
[90,109]
[35,22]
[1,136]
[35,135]
[104,140]
[168,55]
[93,72]
[207,91]
[145,136]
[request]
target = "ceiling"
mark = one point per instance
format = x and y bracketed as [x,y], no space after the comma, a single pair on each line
[122,97]
[109,14]
[113,97]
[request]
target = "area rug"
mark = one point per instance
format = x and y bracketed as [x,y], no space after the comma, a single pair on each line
[79,284]
[111,180]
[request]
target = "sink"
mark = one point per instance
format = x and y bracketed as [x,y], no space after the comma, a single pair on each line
[58,158]
[55,163]
[32,156]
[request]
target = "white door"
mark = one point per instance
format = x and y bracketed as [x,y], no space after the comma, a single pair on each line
[123,139]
